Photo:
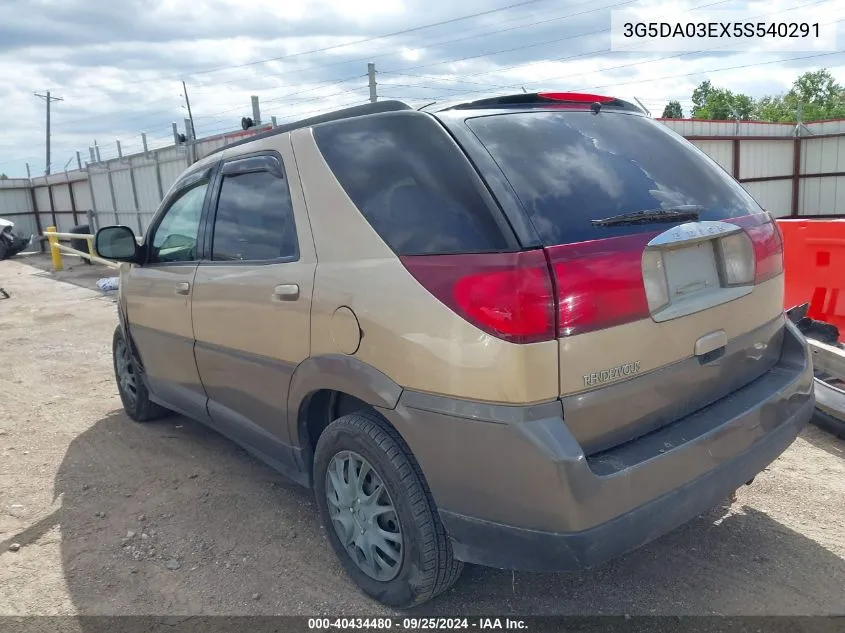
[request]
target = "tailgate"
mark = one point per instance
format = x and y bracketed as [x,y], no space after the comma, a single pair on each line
[668,275]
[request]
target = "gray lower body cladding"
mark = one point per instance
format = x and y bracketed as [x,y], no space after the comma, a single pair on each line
[516,490]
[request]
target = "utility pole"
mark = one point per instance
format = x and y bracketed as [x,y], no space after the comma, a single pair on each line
[49,100]
[190,116]
[371,74]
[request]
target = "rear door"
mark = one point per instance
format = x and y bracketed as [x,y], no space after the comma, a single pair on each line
[252,298]
[668,273]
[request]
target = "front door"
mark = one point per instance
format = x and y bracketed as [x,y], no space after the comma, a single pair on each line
[157,295]
[252,298]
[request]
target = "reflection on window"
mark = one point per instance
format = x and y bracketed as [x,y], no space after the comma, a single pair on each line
[175,239]
[254,219]
[570,168]
[411,184]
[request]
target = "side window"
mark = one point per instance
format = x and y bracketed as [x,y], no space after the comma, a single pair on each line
[254,218]
[175,238]
[411,183]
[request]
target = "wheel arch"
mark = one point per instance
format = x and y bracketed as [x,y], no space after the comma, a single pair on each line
[324,387]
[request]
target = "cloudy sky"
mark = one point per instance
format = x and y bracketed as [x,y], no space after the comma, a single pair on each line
[118,64]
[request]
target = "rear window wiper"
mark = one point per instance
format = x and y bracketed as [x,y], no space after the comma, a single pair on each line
[669,214]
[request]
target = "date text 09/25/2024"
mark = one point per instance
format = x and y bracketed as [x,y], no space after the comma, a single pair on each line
[416,624]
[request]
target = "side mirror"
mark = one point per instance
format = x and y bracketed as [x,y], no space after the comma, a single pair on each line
[116,243]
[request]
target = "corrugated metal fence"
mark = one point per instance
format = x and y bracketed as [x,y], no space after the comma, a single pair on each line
[786,174]
[789,170]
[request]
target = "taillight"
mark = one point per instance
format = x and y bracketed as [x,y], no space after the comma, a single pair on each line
[599,283]
[768,244]
[508,295]
[592,285]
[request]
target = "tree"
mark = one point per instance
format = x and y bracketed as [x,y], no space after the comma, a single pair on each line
[775,109]
[816,91]
[720,104]
[673,110]
[4,177]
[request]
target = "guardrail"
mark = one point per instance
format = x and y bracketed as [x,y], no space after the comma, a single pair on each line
[56,249]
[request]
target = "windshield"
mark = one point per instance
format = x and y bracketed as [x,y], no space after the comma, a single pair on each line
[571,168]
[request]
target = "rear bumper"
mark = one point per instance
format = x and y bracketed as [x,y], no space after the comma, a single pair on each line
[515,490]
[508,547]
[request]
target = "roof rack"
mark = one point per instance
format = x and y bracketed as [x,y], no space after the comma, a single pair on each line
[544,98]
[337,115]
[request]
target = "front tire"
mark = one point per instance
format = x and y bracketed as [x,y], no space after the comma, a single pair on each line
[133,392]
[379,514]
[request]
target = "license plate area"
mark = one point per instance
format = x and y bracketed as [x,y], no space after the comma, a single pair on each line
[691,270]
[693,280]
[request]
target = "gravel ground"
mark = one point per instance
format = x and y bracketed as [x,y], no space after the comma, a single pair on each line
[100,515]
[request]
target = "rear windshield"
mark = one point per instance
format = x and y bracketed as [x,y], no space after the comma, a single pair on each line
[568,168]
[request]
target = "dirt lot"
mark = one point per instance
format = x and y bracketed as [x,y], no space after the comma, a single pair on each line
[114,517]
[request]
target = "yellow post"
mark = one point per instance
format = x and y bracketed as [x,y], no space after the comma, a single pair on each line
[91,246]
[54,251]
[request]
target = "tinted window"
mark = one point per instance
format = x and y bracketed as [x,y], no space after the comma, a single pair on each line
[411,182]
[175,238]
[254,219]
[570,168]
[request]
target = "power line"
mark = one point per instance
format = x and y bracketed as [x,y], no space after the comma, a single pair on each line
[319,66]
[494,32]
[533,44]
[146,116]
[337,46]
[318,87]
[544,61]
[588,53]
[719,70]
[436,78]
[433,44]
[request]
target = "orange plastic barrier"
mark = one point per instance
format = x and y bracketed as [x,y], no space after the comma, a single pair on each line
[814,262]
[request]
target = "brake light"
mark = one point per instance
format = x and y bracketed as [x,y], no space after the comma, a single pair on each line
[508,295]
[580,97]
[600,283]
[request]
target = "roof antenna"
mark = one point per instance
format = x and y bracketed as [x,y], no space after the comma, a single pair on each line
[426,105]
[524,90]
[645,109]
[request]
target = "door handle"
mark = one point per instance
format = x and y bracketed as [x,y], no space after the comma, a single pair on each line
[286,292]
[183,288]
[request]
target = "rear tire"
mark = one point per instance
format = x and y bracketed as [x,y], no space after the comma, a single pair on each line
[130,385]
[426,565]
[3,249]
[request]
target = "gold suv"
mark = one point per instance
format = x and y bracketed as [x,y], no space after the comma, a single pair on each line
[531,332]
